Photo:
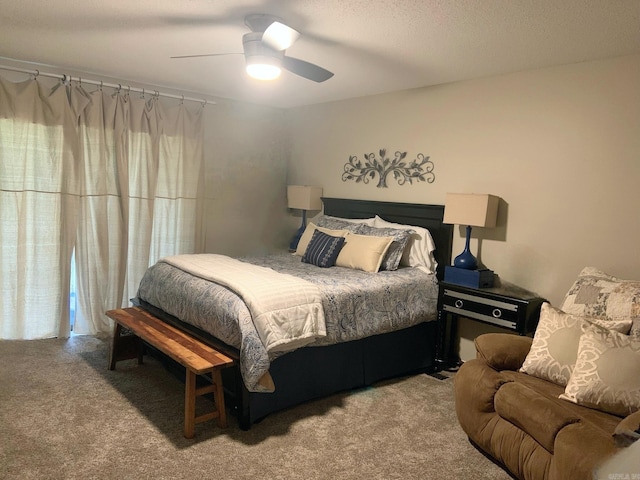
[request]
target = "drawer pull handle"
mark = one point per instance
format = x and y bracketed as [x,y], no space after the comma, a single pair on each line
[497,313]
[459,303]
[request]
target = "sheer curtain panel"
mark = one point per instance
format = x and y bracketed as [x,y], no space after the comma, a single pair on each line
[116,177]
[143,164]
[101,237]
[38,202]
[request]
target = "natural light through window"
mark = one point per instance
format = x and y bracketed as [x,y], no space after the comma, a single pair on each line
[73,298]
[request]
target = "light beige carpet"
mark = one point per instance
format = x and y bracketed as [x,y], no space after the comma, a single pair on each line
[63,415]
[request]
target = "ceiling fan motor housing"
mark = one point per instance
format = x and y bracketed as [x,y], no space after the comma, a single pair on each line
[255,51]
[258,22]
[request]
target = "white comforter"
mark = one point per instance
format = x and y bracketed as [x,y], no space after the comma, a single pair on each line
[286,310]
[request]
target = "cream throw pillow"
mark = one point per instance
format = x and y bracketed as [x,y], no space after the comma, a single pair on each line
[555,344]
[363,252]
[308,233]
[607,372]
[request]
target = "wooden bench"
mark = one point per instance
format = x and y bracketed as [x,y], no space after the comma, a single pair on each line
[197,358]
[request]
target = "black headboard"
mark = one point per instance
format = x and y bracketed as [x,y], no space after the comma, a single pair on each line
[427,216]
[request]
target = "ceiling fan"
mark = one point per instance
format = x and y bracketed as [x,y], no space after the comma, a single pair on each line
[264,50]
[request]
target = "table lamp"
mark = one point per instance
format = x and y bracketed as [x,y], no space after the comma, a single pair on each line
[472,210]
[303,197]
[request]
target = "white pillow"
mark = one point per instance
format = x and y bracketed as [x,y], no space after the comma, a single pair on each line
[419,250]
[362,252]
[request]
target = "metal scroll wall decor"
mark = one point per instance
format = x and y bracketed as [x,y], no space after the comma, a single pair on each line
[403,171]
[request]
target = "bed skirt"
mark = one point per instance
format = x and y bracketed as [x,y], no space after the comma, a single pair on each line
[314,372]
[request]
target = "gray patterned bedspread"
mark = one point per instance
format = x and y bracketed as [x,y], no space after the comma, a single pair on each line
[356,305]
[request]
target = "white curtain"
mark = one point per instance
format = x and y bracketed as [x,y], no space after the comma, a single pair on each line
[126,175]
[143,164]
[38,201]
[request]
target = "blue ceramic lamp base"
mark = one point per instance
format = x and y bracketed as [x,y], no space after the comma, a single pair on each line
[466,259]
[296,238]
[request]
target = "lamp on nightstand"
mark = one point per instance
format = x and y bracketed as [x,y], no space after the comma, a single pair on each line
[303,197]
[472,210]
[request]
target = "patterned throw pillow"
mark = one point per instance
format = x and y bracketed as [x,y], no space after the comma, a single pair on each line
[554,349]
[308,233]
[597,294]
[606,375]
[393,256]
[337,224]
[323,249]
[321,219]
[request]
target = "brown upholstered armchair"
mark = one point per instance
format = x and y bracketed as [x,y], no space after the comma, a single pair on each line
[519,420]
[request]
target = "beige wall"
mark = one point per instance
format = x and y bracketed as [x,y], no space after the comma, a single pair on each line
[560,146]
[246,153]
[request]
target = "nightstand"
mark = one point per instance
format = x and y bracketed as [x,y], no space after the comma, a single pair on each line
[506,306]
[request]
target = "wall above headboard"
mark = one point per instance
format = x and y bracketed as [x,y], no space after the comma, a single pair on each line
[545,141]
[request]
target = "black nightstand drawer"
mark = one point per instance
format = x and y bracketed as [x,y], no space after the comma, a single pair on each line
[506,306]
[496,312]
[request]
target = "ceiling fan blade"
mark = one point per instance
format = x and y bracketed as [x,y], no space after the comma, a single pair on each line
[280,36]
[306,69]
[207,55]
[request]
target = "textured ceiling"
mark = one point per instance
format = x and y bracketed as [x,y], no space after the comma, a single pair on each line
[372,46]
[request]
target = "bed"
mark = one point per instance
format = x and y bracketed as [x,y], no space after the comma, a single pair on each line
[352,354]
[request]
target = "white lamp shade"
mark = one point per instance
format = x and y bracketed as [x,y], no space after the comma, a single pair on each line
[474,209]
[304,197]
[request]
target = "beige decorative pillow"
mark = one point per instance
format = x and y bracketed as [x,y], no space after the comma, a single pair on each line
[555,343]
[308,233]
[607,372]
[597,294]
[363,252]
[391,260]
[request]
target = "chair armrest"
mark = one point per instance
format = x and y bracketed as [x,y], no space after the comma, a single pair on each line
[628,430]
[525,407]
[502,351]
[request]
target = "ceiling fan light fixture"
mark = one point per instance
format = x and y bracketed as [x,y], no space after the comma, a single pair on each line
[263,71]
[262,67]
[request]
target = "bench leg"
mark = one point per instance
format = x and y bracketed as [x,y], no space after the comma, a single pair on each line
[190,394]
[114,346]
[140,349]
[124,347]
[216,376]
[190,404]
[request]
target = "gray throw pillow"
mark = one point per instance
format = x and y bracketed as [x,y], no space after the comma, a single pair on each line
[400,239]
